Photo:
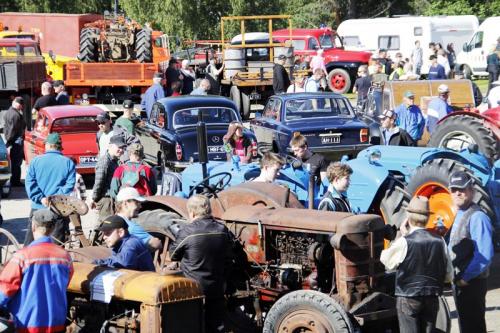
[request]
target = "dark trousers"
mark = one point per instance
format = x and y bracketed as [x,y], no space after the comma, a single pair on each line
[493,76]
[417,314]
[60,232]
[16,160]
[215,309]
[471,306]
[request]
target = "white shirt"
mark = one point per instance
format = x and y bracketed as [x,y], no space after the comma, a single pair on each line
[294,89]
[396,254]
[443,61]
[104,142]
[311,85]
[494,96]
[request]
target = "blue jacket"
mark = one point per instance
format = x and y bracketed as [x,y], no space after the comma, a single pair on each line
[33,287]
[436,73]
[480,230]
[411,120]
[129,253]
[49,174]
[154,93]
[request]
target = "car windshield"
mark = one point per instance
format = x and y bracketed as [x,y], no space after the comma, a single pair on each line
[319,107]
[75,125]
[327,41]
[210,115]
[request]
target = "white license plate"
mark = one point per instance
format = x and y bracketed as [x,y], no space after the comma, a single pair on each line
[254,96]
[330,139]
[88,160]
[215,149]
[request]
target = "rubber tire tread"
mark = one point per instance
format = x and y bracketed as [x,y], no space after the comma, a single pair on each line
[474,127]
[245,106]
[143,52]
[348,83]
[439,171]
[396,198]
[88,46]
[235,96]
[309,299]
[158,219]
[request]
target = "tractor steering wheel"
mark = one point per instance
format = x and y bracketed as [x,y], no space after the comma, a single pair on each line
[213,189]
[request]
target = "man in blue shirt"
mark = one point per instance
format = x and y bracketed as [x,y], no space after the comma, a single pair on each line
[128,251]
[471,251]
[410,118]
[154,93]
[49,174]
[436,71]
[438,108]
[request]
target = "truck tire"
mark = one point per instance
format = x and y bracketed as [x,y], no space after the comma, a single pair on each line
[457,132]
[143,51]
[88,45]
[245,106]
[393,202]
[307,310]
[432,179]
[339,81]
[235,95]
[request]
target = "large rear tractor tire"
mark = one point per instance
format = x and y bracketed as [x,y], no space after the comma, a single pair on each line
[307,311]
[394,201]
[143,46]
[460,131]
[88,45]
[431,180]
[339,81]
[159,219]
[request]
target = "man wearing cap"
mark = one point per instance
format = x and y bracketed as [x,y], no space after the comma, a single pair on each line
[203,248]
[410,118]
[154,93]
[50,174]
[128,202]
[127,250]
[172,75]
[422,267]
[14,126]
[438,108]
[105,132]
[281,80]
[33,283]
[104,169]
[134,173]
[392,135]
[436,71]
[125,121]
[478,96]
[62,97]
[471,251]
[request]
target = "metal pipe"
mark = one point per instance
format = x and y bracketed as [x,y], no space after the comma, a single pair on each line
[201,131]
[310,192]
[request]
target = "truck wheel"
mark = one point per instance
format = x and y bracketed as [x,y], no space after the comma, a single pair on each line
[467,72]
[143,52]
[307,311]
[235,95]
[88,45]
[431,180]
[458,132]
[394,201]
[245,106]
[339,81]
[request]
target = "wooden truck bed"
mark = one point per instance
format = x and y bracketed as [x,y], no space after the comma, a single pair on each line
[19,73]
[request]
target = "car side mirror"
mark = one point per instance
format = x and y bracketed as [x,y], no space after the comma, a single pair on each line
[465,47]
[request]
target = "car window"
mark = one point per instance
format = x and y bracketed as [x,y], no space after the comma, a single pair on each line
[388,42]
[477,40]
[352,41]
[29,51]
[75,125]
[299,44]
[313,44]
[157,116]
[42,123]
[326,41]
[270,109]
[257,54]
[210,115]
[317,108]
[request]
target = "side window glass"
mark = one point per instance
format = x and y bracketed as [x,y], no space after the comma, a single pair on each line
[313,44]
[269,109]
[160,119]
[478,41]
[154,114]
[277,109]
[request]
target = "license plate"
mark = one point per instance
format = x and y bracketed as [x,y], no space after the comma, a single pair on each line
[330,139]
[88,160]
[215,149]
[254,96]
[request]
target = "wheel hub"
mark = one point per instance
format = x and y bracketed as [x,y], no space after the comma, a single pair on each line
[440,205]
[456,140]
[338,81]
[304,321]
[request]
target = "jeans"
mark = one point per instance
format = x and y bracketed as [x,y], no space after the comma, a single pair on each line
[471,306]
[417,314]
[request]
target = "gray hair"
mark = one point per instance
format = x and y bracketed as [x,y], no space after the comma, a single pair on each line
[199,206]
[46,87]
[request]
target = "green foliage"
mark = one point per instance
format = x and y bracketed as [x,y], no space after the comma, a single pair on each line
[482,9]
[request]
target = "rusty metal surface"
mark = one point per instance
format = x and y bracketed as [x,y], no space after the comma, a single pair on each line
[145,287]
[175,204]
[65,205]
[89,253]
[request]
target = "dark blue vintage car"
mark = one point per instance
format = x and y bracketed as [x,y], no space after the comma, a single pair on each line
[170,136]
[327,120]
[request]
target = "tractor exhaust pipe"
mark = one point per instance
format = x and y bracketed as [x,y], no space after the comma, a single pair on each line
[201,131]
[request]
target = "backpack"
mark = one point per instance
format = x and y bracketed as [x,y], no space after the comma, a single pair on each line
[135,176]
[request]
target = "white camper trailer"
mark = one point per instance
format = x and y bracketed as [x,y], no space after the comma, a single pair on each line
[398,34]
[472,58]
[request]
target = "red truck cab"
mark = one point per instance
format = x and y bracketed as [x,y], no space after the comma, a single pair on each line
[342,65]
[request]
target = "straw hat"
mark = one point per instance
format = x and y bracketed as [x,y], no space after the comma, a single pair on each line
[419,205]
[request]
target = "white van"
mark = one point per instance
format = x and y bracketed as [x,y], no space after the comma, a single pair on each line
[398,34]
[472,58]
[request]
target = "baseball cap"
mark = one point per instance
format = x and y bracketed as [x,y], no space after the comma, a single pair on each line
[118,140]
[53,139]
[102,117]
[460,179]
[113,222]
[129,193]
[443,88]
[19,100]
[158,75]
[387,114]
[45,217]
[128,104]
[281,57]
[409,94]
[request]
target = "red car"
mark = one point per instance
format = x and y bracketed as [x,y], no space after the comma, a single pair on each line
[77,127]
[342,65]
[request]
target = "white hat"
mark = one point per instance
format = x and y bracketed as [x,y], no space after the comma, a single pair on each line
[129,193]
[443,88]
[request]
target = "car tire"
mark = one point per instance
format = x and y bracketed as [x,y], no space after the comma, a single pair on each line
[467,72]
[235,95]
[307,309]
[339,81]
[245,106]
[466,128]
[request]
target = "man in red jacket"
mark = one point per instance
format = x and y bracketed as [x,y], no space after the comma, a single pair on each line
[33,283]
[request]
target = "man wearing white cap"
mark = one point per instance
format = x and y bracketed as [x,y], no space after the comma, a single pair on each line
[438,108]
